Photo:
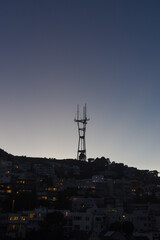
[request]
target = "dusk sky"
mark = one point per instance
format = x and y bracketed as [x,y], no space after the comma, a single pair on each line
[55,54]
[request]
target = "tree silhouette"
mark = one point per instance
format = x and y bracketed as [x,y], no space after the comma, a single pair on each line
[127,228]
[53,226]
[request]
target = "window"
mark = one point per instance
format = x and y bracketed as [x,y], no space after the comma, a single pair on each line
[32,215]
[14,218]
[54,199]
[13,227]
[44,197]
[9,191]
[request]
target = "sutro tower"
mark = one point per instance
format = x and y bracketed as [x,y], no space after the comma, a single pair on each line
[81,123]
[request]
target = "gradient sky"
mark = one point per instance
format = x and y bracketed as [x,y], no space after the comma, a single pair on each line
[55,54]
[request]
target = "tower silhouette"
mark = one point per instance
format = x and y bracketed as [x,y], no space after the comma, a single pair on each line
[81,123]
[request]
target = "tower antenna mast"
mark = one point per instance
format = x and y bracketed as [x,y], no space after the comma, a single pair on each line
[81,123]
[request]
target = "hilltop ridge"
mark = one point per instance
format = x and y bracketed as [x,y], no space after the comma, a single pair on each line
[86,168]
[73,187]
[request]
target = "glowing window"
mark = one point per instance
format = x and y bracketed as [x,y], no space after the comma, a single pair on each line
[32,215]
[23,218]
[13,226]
[44,197]
[133,190]
[9,191]
[111,210]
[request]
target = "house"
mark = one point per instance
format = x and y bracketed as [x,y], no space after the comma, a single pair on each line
[81,221]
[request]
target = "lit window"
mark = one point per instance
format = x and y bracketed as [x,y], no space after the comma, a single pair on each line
[9,191]
[44,197]
[54,198]
[13,226]
[32,215]
[133,190]
[66,214]
[111,210]
[23,218]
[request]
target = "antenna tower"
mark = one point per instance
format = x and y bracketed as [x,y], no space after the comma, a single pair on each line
[81,123]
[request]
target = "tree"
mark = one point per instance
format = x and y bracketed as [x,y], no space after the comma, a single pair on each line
[127,228]
[53,226]
[116,226]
